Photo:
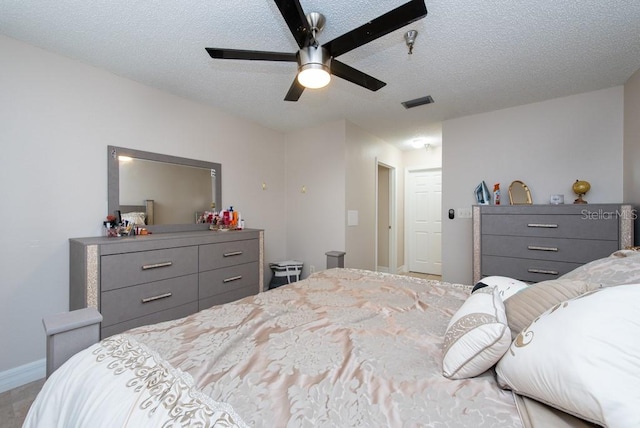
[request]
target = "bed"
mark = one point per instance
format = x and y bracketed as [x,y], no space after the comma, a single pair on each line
[139,215]
[342,348]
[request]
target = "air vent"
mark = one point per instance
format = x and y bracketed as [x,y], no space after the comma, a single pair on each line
[418,102]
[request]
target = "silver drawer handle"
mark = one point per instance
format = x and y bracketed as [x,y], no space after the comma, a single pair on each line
[233,278]
[543,225]
[151,299]
[543,271]
[536,248]
[233,253]
[156,265]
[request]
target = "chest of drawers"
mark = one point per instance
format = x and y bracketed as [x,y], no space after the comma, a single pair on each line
[140,280]
[534,243]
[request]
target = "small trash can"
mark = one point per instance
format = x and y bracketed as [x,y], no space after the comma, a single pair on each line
[285,273]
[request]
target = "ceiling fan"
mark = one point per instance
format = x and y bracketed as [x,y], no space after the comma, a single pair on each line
[316,62]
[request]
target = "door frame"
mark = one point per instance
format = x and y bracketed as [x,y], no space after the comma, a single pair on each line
[407,231]
[393,233]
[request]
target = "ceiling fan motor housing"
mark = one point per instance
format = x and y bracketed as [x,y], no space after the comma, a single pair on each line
[316,22]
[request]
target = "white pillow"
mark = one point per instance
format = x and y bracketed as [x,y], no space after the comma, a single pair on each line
[527,305]
[506,286]
[136,218]
[583,357]
[477,335]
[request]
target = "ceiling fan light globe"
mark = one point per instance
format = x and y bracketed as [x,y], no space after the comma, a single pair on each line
[314,70]
[314,76]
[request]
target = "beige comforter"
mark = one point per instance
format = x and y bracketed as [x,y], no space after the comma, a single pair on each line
[343,348]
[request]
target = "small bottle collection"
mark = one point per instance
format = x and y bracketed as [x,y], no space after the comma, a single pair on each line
[223,220]
[114,226]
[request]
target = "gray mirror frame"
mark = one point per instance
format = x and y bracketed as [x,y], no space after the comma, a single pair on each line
[526,191]
[113,182]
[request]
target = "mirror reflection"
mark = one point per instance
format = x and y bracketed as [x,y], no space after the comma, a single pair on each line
[519,193]
[178,192]
[160,189]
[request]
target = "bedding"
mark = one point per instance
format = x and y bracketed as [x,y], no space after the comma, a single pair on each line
[621,267]
[526,305]
[506,286]
[477,335]
[592,368]
[342,348]
[136,218]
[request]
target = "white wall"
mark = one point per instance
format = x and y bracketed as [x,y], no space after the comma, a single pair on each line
[57,117]
[548,145]
[423,158]
[632,145]
[315,194]
[336,164]
[363,150]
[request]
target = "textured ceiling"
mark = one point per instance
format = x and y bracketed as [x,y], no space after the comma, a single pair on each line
[471,56]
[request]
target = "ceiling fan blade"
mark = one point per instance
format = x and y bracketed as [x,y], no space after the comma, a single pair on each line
[295,91]
[251,55]
[294,16]
[380,26]
[346,72]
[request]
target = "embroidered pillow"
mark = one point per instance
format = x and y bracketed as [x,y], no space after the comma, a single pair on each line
[506,286]
[583,357]
[477,335]
[525,306]
[139,219]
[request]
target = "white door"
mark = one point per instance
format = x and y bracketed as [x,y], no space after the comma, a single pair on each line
[425,221]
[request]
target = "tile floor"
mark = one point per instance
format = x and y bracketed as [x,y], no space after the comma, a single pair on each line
[15,403]
[423,275]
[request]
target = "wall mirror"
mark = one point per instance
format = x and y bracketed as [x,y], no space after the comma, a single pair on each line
[519,193]
[170,191]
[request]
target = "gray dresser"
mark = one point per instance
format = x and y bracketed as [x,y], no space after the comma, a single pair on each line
[140,280]
[535,243]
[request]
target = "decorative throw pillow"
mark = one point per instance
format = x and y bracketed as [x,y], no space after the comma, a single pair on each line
[525,306]
[583,357]
[506,286]
[139,219]
[477,335]
[621,267]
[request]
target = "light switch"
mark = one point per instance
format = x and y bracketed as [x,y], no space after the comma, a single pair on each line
[464,212]
[352,218]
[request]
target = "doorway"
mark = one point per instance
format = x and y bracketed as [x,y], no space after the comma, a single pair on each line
[386,254]
[424,221]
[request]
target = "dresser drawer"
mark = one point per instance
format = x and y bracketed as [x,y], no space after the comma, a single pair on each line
[139,300]
[558,226]
[558,249]
[218,281]
[122,270]
[528,270]
[156,317]
[214,256]
[229,296]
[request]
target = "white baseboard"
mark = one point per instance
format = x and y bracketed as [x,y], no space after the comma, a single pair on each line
[23,375]
[384,269]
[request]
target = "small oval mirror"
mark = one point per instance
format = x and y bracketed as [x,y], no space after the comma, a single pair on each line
[519,193]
